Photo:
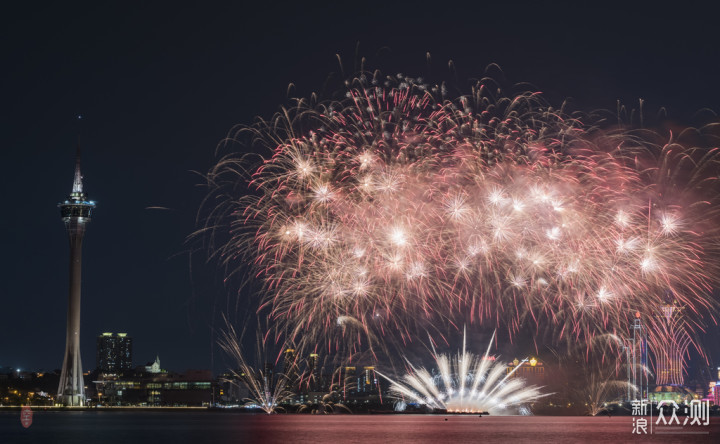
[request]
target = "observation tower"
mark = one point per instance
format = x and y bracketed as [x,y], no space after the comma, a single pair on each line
[75,211]
[636,351]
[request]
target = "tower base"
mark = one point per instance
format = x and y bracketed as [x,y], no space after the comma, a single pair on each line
[71,400]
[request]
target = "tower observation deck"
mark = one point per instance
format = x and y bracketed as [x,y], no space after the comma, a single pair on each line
[76,212]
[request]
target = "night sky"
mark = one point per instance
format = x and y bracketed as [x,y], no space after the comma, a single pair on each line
[158,87]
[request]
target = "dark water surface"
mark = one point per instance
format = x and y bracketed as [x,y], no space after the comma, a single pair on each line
[222,427]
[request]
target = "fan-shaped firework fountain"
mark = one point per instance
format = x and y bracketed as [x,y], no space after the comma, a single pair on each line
[267,391]
[467,383]
[397,204]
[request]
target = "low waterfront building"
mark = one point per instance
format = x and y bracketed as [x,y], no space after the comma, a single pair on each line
[532,371]
[677,393]
[155,387]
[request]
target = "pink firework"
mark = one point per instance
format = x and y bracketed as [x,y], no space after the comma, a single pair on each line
[397,207]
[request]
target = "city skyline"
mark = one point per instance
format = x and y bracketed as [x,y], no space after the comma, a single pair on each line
[142,138]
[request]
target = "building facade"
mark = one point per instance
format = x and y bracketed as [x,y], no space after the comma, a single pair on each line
[669,344]
[714,390]
[532,371]
[162,388]
[114,352]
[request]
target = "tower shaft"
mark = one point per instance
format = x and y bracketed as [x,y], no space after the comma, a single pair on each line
[76,211]
[72,387]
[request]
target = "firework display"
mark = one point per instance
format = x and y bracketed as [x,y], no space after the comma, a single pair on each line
[267,391]
[399,204]
[467,383]
[597,369]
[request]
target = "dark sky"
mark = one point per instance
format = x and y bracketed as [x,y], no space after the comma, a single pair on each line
[159,86]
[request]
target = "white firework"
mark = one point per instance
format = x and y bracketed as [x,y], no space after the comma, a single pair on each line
[467,383]
[267,391]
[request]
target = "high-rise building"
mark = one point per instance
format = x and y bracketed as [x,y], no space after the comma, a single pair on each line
[350,382]
[313,367]
[290,373]
[669,341]
[290,368]
[75,211]
[268,373]
[114,352]
[370,379]
[289,363]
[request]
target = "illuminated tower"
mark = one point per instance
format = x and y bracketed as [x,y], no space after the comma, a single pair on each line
[636,351]
[669,342]
[75,211]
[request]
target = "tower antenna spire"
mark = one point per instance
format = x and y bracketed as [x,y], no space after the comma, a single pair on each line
[77,182]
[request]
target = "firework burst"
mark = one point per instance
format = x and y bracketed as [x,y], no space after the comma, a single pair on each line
[398,205]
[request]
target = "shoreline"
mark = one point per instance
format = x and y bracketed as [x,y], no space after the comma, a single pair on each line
[41,408]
